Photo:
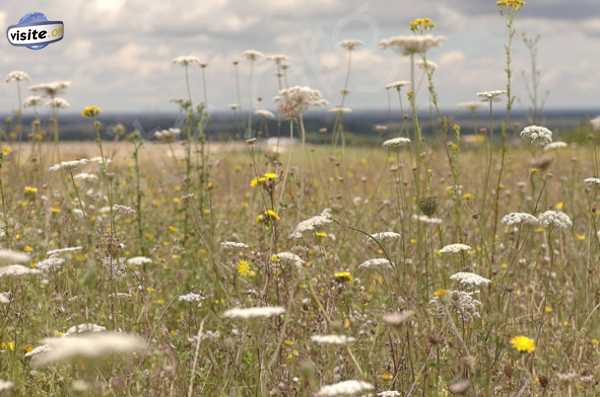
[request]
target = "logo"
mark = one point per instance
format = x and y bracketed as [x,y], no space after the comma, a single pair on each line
[35,31]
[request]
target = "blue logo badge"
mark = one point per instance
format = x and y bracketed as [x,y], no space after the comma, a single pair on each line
[35,31]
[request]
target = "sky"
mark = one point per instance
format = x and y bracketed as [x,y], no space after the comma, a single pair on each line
[118,53]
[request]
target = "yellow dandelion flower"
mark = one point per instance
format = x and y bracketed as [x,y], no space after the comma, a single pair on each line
[468,196]
[440,293]
[270,176]
[55,210]
[513,4]
[343,277]
[244,269]
[548,309]
[173,229]
[6,150]
[268,215]
[523,344]
[421,24]
[560,205]
[91,111]
[28,249]
[386,376]
[580,237]
[320,234]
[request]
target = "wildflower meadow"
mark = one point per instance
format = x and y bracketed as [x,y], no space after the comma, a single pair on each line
[461,261]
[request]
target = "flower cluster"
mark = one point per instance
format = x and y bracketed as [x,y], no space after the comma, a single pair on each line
[410,45]
[267,180]
[350,45]
[523,344]
[537,135]
[461,303]
[421,24]
[91,111]
[555,218]
[311,224]
[293,102]
[515,5]
[518,218]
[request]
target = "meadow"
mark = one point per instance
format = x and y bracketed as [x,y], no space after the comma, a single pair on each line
[438,265]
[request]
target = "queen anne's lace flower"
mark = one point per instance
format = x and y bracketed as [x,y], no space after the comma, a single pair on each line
[461,303]
[427,219]
[190,297]
[455,248]
[65,250]
[68,165]
[376,263]
[555,146]
[555,218]
[397,85]
[385,236]
[84,328]
[332,339]
[50,264]
[186,60]
[592,182]
[17,75]
[294,101]
[233,245]
[311,223]
[345,388]
[17,270]
[470,279]
[9,257]
[491,96]
[537,135]
[254,312]
[139,261]
[289,257]
[396,143]
[410,45]
[517,218]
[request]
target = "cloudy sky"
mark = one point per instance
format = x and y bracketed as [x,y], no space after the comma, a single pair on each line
[118,52]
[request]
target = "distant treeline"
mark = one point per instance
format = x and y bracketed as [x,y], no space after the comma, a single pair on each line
[360,125]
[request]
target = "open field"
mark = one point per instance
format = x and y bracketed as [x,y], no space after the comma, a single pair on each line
[543,277]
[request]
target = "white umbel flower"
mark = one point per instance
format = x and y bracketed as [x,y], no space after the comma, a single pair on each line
[190,297]
[254,312]
[396,143]
[68,165]
[491,96]
[595,122]
[470,279]
[427,219]
[555,218]
[66,250]
[84,328]
[51,89]
[461,303]
[33,101]
[455,248]
[289,257]
[376,263]
[555,146]
[332,339]
[350,45]
[519,218]
[186,60]
[252,55]
[345,388]
[50,264]
[4,297]
[386,236]
[311,223]
[88,345]
[267,114]
[85,176]
[58,103]
[17,75]
[17,270]
[410,45]
[537,135]
[295,101]
[9,257]
[6,385]
[139,261]
[233,245]
[592,182]
[397,85]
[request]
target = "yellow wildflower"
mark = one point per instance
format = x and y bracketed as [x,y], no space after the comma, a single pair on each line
[421,24]
[268,215]
[523,344]
[514,4]
[91,111]
[320,234]
[440,293]
[343,277]
[6,150]
[244,269]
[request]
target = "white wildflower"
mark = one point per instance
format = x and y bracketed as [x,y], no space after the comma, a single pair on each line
[33,101]
[66,250]
[277,58]
[254,312]
[340,109]
[50,264]
[555,146]
[267,114]
[397,85]
[4,297]
[9,257]
[428,220]
[17,270]
[295,101]
[167,135]
[6,385]
[350,45]
[592,182]
[470,279]
[139,261]
[312,223]
[51,89]
[84,328]
[518,218]
[332,339]
[233,245]
[376,263]
[397,318]
[409,45]
[17,75]
[58,103]
[491,96]
[537,135]
[385,236]
[289,257]
[455,248]
[555,218]
[345,388]
[190,297]
[89,345]
[186,60]
[461,303]
[68,165]
[85,176]
[396,143]
[252,55]
[595,122]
